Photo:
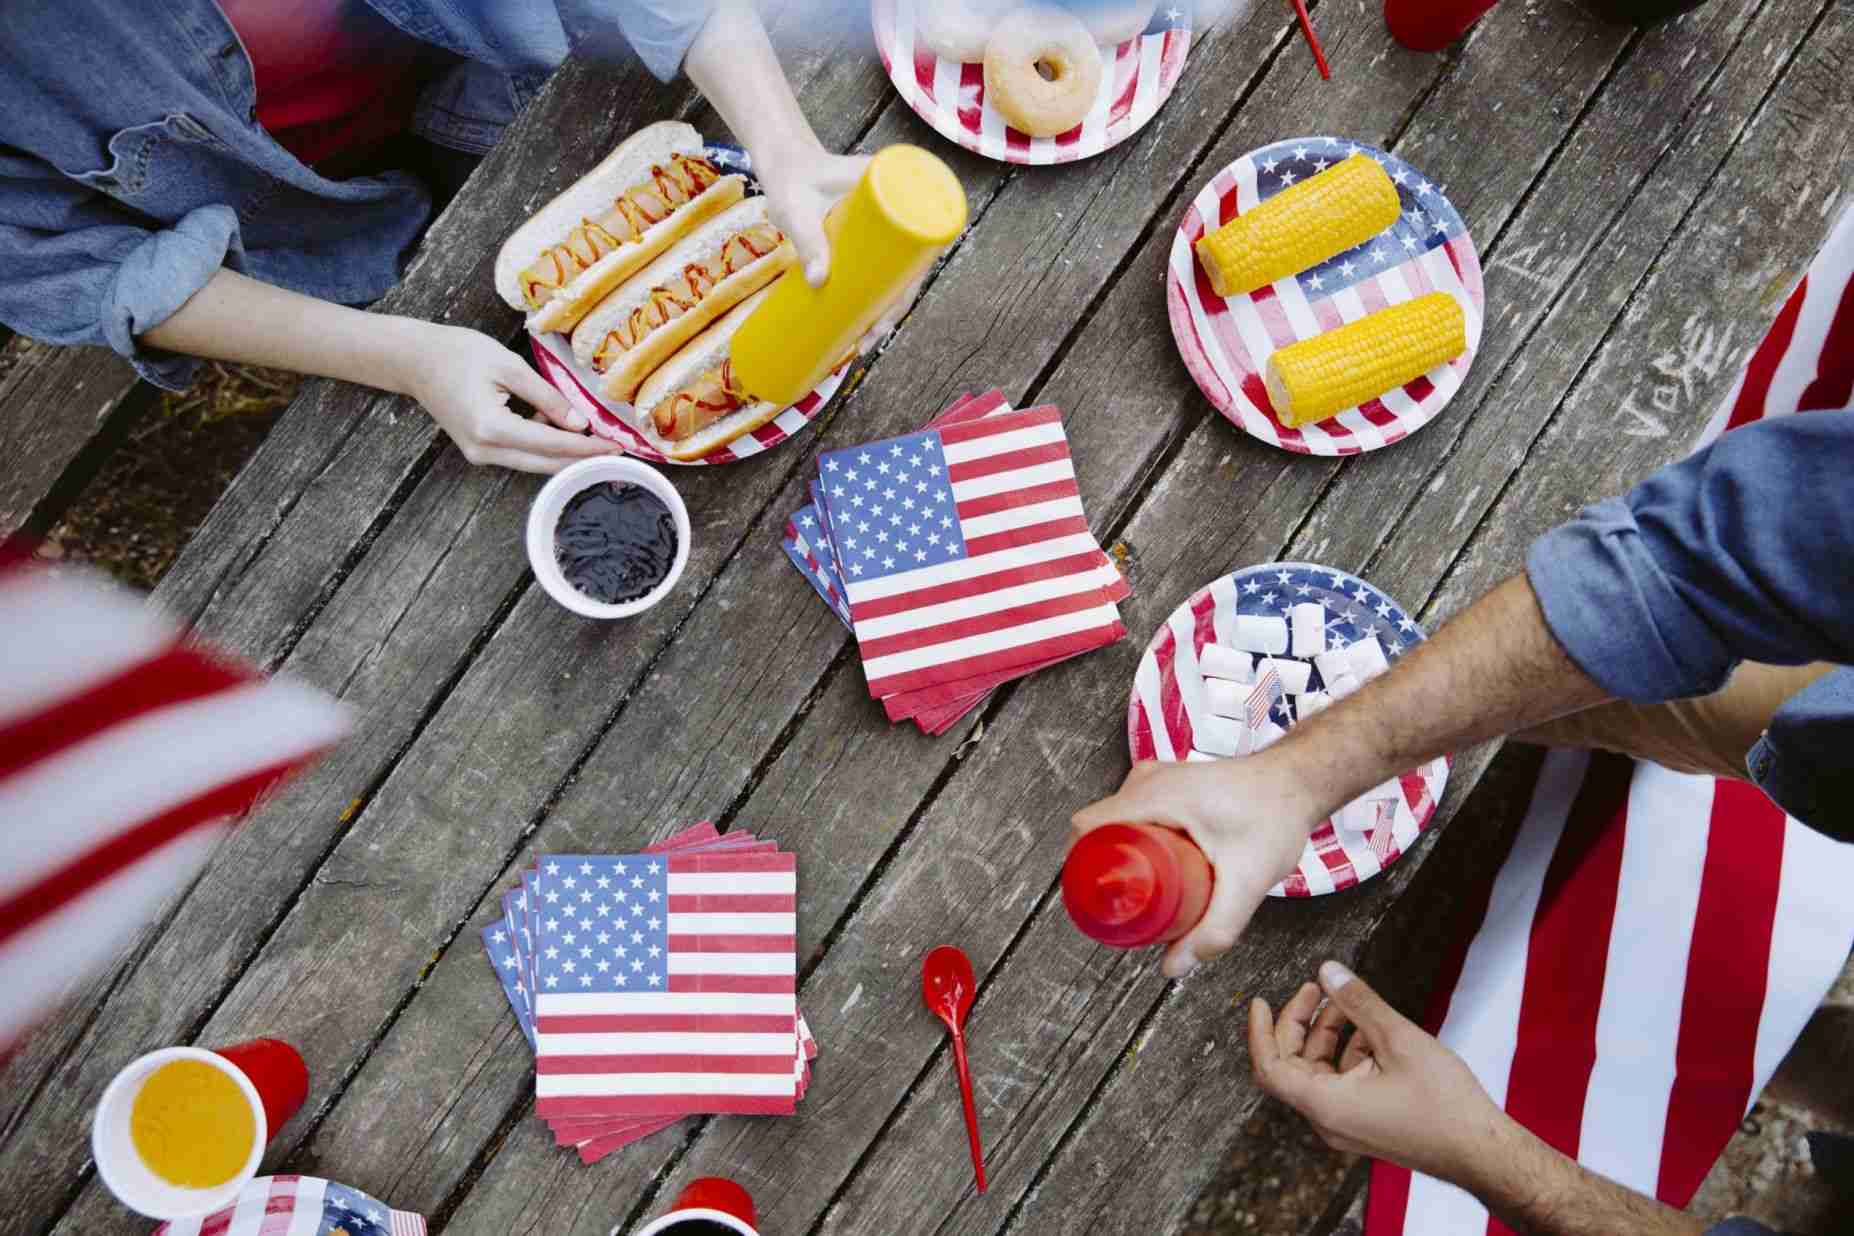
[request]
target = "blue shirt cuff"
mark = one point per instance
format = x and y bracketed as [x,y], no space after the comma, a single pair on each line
[1618,615]
[662,31]
[157,278]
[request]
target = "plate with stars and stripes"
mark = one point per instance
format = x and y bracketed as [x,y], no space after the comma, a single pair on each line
[1138,77]
[1170,710]
[1226,343]
[553,355]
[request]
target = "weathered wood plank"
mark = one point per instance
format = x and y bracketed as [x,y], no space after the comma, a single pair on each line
[1169,1091]
[772,1153]
[1564,266]
[52,403]
[261,614]
[668,721]
[555,641]
[391,641]
[850,822]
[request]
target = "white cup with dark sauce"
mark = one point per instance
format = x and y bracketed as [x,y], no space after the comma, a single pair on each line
[553,503]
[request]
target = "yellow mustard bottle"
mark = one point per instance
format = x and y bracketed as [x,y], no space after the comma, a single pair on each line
[902,215]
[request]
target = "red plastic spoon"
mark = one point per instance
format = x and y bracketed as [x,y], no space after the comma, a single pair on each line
[947,985]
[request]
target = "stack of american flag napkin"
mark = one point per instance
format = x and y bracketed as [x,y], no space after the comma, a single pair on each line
[655,986]
[959,557]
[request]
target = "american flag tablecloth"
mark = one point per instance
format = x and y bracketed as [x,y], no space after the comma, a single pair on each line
[1654,942]
[1139,76]
[1226,343]
[125,753]
[300,1206]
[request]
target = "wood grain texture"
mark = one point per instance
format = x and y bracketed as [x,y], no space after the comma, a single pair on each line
[427,587]
[495,726]
[1156,1092]
[643,767]
[53,400]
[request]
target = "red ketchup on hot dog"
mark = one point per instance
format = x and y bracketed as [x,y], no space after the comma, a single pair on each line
[1133,885]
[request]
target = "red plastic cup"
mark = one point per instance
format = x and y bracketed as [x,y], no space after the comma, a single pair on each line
[711,1206]
[1431,25]
[1132,885]
[276,1071]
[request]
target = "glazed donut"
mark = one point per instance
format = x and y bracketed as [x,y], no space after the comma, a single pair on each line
[1042,70]
[957,29]
[1113,22]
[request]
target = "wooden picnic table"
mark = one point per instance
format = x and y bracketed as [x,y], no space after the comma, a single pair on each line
[1641,202]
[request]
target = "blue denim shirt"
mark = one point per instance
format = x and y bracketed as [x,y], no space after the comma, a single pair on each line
[1744,551]
[132,165]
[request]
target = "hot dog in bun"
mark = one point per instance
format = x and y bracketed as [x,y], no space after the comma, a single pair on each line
[652,191]
[641,325]
[693,405]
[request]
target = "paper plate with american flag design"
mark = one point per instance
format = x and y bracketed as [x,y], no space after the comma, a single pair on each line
[1169,705]
[1139,76]
[553,355]
[1226,343]
[300,1206]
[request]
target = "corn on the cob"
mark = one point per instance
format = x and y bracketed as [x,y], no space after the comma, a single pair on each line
[1300,227]
[1315,378]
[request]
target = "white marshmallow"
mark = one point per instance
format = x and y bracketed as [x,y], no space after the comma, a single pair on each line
[1294,675]
[1216,661]
[1220,736]
[1261,633]
[1342,686]
[1200,757]
[1332,665]
[1311,704]
[1366,658]
[1358,816]
[1268,735]
[1227,699]
[1309,623]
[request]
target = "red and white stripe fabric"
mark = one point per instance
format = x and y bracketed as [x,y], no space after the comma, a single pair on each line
[1138,77]
[1226,342]
[1655,942]
[554,356]
[299,1206]
[124,754]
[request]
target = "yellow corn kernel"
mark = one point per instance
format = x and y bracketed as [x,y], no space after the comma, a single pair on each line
[1300,227]
[1318,377]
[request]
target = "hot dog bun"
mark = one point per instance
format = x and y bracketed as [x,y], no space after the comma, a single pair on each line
[705,353]
[595,341]
[594,195]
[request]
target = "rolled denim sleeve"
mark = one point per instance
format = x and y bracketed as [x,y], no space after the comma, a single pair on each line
[77,269]
[1740,552]
[659,31]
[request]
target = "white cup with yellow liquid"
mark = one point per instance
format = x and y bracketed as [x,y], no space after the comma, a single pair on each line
[178,1133]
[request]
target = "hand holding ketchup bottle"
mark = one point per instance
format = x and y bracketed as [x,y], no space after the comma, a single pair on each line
[1134,885]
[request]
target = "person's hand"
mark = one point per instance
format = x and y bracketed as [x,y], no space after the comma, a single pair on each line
[1395,1093]
[1249,816]
[464,379]
[801,187]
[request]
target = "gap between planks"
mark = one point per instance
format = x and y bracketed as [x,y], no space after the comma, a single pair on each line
[1648,271]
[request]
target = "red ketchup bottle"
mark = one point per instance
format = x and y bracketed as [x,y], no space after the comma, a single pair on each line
[1131,885]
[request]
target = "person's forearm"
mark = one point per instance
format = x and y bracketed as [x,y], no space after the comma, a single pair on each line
[1493,669]
[1537,1191]
[235,318]
[733,63]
